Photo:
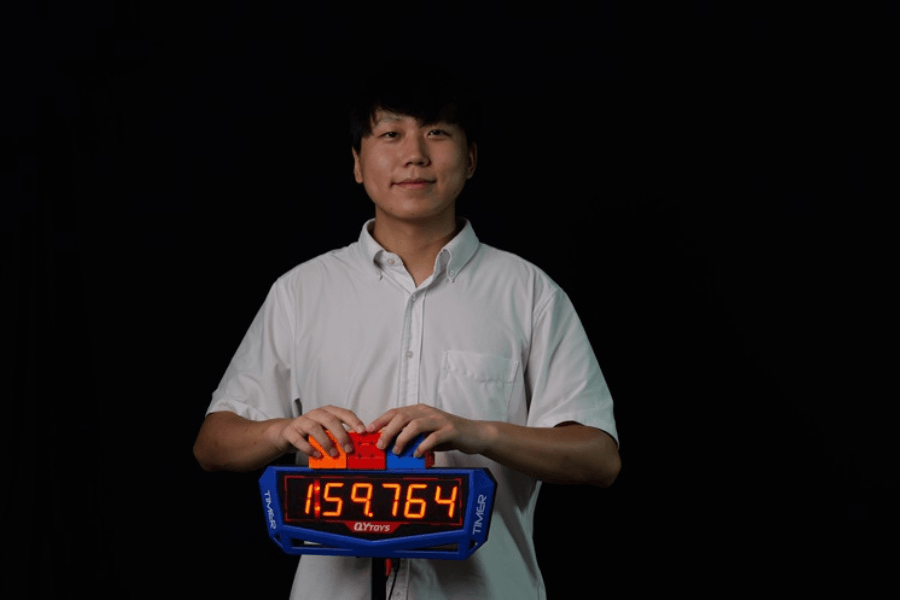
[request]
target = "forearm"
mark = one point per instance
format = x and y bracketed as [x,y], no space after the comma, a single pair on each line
[570,453]
[228,442]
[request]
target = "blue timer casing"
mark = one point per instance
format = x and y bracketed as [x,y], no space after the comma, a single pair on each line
[388,512]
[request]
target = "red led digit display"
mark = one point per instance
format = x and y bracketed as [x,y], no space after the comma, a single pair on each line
[374,504]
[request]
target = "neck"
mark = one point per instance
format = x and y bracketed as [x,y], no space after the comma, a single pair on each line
[417,244]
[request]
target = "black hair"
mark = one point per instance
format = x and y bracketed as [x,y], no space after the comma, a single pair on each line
[428,92]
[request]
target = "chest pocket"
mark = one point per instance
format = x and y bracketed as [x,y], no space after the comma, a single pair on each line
[476,386]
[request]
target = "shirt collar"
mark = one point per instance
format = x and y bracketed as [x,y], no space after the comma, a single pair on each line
[459,251]
[452,257]
[371,249]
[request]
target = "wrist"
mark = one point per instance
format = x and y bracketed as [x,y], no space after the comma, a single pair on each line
[274,435]
[489,434]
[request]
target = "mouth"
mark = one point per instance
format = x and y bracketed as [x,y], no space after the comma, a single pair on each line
[414,183]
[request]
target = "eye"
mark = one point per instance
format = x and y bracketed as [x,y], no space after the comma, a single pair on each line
[438,132]
[390,134]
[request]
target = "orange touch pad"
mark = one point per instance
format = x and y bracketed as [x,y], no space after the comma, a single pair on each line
[327,461]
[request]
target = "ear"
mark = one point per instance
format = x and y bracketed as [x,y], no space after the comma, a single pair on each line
[473,160]
[357,171]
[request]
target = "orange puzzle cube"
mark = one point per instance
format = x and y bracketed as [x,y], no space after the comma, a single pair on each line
[327,461]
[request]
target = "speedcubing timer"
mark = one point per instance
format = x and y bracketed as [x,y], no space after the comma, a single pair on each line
[375,503]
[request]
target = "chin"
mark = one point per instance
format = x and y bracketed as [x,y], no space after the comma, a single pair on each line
[407,212]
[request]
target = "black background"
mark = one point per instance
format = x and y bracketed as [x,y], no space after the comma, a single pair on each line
[701,181]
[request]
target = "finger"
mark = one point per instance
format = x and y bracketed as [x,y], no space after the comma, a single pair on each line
[326,441]
[406,435]
[332,420]
[388,425]
[347,417]
[382,421]
[416,429]
[391,430]
[428,444]
[299,441]
[339,437]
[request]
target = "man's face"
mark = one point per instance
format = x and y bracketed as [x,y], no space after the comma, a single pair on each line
[413,172]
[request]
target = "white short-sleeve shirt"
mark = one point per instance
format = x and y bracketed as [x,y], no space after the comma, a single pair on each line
[488,336]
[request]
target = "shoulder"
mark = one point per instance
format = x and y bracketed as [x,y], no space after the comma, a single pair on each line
[319,278]
[338,263]
[512,270]
[497,257]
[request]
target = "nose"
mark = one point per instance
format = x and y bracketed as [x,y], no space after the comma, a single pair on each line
[416,151]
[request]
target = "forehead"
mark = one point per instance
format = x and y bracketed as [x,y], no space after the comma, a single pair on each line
[381,116]
[384,116]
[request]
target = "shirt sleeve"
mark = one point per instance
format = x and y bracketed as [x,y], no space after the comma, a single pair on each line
[257,383]
[563,374]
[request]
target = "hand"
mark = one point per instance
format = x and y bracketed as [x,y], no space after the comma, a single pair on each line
[445,431]
[295,433]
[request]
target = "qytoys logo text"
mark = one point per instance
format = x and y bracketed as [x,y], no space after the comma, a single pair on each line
[369,527]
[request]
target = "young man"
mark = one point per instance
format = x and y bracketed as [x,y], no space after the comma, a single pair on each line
[418,328]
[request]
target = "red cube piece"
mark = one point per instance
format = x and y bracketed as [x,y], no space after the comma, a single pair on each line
[366,455]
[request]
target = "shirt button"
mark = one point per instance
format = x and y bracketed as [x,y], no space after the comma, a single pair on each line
[390,261]
[409,354]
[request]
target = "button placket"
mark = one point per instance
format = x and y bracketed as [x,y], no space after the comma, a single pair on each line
[415,310]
